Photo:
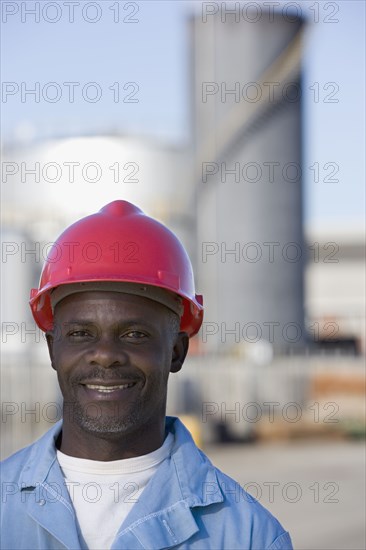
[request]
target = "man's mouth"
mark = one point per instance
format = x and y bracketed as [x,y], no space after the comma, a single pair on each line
[108,388]
[97,389]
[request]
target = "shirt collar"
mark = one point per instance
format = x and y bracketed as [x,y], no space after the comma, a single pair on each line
[41,459]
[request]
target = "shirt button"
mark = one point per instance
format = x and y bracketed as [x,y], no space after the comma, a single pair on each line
[42,502]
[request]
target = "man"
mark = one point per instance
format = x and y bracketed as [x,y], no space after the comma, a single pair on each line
[117,302]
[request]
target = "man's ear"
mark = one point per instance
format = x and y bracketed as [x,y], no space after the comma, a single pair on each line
[50,340]
[180,351]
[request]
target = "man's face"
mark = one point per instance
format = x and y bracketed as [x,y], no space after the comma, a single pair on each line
[113,353]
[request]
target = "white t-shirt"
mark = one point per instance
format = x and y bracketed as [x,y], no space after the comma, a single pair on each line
[103,493]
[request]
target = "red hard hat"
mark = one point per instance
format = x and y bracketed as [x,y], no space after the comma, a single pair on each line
[118,243]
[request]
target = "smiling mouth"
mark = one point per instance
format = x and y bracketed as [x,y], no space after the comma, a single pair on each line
[109,389]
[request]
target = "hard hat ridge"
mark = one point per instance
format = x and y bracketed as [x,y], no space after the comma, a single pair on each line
[165,297]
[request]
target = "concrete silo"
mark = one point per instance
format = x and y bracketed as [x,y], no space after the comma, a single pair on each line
[247,127]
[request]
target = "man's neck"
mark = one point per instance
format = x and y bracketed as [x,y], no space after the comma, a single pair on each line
[107,447]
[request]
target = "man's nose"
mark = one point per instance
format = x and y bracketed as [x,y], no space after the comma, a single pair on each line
[107,352]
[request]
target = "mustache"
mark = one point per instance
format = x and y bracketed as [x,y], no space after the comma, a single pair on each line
[106,375]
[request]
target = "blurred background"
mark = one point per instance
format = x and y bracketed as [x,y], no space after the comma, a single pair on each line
[241,127]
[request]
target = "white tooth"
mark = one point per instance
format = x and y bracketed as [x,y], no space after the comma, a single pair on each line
[108,389]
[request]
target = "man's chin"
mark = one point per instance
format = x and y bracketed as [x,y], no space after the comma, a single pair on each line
[106,425]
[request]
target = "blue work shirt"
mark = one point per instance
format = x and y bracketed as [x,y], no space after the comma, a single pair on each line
[188,503]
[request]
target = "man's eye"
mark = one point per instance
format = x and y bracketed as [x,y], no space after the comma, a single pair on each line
[78,334]
[135,334]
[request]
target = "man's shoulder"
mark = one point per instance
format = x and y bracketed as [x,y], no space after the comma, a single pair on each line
[223,505]
[12,466]
[236,496]
[242,514]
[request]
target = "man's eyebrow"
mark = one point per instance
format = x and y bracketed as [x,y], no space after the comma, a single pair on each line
[126,322]
[79,322]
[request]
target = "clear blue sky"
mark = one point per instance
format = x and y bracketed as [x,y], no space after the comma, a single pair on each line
[154,53]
